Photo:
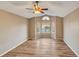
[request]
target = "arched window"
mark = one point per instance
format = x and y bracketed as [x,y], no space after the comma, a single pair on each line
[45,18]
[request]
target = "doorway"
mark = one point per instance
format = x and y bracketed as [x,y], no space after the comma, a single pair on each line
[43,27]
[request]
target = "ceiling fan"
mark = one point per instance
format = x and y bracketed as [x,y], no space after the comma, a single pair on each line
[36,8]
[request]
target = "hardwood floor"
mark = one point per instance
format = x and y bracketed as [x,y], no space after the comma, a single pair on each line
[42,48]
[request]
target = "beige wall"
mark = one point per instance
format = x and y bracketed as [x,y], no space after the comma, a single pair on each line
[53,27]
[71,30]
[13,31]
[59,27]
[31,28]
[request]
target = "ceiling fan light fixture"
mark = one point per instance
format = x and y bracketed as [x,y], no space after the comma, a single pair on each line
[37,12]
[37,9]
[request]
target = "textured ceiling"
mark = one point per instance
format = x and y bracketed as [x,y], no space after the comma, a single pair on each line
[55,8]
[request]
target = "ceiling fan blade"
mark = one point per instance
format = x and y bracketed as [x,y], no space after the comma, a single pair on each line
[45,9]
[29,8]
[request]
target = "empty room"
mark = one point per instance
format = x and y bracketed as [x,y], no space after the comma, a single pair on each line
[39,28]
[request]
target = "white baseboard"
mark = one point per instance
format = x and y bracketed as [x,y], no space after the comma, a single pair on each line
[13,48]
[71,48]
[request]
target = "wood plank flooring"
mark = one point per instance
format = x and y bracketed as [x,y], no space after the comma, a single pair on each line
[41,48]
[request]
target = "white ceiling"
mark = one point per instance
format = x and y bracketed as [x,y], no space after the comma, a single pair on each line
[55,8]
